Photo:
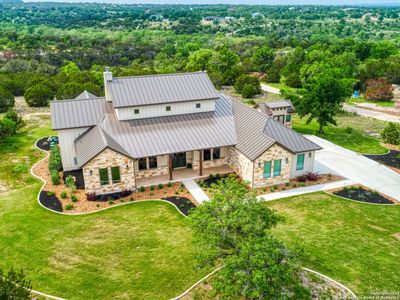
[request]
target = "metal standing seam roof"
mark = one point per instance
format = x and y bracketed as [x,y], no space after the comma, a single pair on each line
[94,141]
[85,95]
[173,134]
[158,89]
[257,132]
[76,113]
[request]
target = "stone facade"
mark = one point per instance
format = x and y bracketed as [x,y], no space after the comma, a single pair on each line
[272,154]
[241,164]
[107,159]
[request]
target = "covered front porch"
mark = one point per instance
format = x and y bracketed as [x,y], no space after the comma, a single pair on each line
[183,174]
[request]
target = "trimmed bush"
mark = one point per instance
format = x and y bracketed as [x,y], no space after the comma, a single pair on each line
[69,206]
[70,183]
[391,134]
[160,186]
[50,194]
[63,195]
[55,159]
[55,177]
[152,188]
[74,198]
[90,196]
[142,189]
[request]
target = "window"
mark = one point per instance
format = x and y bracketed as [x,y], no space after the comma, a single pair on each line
[288,118]
[115,174]
[280,118]
[142,164]
[103,176]
[277,167]
[198,105]
[216,153]
[136,111]
[267,169]
[300,162]
[168,108]
[153,162]
[207,154]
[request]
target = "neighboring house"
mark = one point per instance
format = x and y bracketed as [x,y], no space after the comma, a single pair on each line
[280,111]
[148,126]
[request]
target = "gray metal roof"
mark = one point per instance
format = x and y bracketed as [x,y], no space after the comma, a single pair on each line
[172,134]
[278,104]
[256,132]
[92,142]
[157,89]
[264,109]
[76,113]
[85,95]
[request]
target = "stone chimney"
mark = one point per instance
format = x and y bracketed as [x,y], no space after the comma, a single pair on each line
[108,77]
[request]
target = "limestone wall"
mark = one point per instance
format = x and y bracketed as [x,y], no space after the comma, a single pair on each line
[241,164]
[107,159]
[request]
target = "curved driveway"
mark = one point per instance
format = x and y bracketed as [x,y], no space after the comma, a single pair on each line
[357,168]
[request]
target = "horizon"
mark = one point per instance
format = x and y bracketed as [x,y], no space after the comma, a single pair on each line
[235,2]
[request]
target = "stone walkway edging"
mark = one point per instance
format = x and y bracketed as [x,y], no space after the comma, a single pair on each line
[353,295]
[359,202]
[305,190]
[89,212]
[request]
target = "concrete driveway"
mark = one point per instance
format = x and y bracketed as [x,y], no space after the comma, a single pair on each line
[357,168]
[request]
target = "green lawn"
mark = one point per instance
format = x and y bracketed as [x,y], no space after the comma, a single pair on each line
[357,139]
[136,251]
[384,103]
[356,244]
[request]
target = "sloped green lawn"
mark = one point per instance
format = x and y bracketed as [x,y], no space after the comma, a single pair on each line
[356,244]
[135,251]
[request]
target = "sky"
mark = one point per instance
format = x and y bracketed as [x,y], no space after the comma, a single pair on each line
[252,2]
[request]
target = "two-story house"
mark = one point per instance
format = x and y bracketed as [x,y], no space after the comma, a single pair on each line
[280,111]
[149,126]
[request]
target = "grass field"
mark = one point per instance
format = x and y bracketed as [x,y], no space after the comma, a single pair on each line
[383,103]
[356,138]
[137,251]
[356,244]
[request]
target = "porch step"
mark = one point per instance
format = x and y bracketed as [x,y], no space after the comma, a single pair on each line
[196,191]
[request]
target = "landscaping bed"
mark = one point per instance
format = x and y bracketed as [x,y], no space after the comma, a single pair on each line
[76,201]
[298,182]
[43,144]
[184,204]
[50,200]
[391,159]
[360,193]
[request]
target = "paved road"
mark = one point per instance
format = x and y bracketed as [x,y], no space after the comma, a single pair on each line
[270,89]
[371,113]
[357,168]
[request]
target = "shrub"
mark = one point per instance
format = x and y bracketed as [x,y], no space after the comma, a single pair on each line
[378,89]
[301,178]
[69,206]
[38,95]
[55,177]
[189,165]
[50,194]
[391,134]
[74,198]
[348,130]
[55,159]
[142,189]
[287,184]
[170,184]
[7,127]
[63,195]
[125,193]
[70,182]
[6,100]
[16,118]
[90,196]
[152,188]
[160,186]
[312,176]
[110,202]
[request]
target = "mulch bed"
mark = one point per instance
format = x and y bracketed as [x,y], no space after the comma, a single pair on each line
[51,202]
[43,144]
[363,195]
[392,159]
[182,203]
[214,179]
[113,196]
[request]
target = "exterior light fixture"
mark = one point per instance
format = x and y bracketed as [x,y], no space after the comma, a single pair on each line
[91,172]
[127,166]
[309,154]
[287,160]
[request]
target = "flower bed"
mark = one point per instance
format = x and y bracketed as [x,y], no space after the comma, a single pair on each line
[76,200]
[391,159]
[360,193]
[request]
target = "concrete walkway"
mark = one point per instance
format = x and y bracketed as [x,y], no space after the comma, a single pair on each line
[270,89]
[306,190]
[371,113]
[357,168]
[196,191]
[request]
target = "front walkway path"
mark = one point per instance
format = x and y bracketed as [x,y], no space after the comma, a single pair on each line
[371,113]
[357,168]
[196,191]
[306,190]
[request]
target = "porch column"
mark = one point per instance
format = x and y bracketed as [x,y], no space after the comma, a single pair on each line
[201,163]
[170,166]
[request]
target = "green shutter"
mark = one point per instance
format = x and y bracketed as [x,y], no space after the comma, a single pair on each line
[300,162]
[115,175]
[267,169]
[103,176]
[277,167]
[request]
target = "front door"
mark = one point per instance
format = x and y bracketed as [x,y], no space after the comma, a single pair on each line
[179,160]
